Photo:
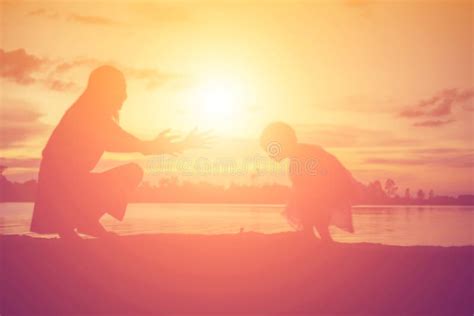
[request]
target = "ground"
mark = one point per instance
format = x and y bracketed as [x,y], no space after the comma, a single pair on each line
[244,273]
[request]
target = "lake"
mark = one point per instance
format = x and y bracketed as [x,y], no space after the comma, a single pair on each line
[391,225]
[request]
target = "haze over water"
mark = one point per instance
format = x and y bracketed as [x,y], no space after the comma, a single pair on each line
[392,225]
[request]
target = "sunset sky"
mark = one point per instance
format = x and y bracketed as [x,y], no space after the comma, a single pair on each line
[387,87]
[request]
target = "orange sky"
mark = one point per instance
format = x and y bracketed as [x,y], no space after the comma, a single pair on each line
[386,86]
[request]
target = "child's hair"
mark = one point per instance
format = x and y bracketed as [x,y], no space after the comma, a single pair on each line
[278,132]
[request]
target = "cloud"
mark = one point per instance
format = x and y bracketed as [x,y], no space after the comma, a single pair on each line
[28,163]
[442,109]
[77,18]
[466,95]
[158,13]
[443,150]
[141,14]
[37,12]
[153,76]
[18,111]
[93,20]
[20,123]
[25,69]
[464,161]
[61,85]
[350,136]
[19,66]
[360,103]
[433,123]
[391,161]
[44,13]
[78,62]
[411,113]
[441,104]
[468,107]
[453,161]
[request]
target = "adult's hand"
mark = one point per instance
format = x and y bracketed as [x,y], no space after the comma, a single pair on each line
[196,139]
[163,144]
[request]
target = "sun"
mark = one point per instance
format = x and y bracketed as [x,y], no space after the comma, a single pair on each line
[219,99]
[220,102]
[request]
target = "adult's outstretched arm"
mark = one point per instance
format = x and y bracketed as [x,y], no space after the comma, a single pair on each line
[119,140]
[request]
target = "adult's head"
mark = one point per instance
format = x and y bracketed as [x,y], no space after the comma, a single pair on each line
[278,139]
[106,90]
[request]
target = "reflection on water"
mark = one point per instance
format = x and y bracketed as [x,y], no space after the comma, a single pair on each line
[395,225]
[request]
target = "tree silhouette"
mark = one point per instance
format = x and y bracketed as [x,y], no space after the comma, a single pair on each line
[173,190]
[420,195]
[390,188]
[375,192]
[431,195]
[407,194]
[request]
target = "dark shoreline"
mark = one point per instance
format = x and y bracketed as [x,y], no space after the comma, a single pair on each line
[274,203]
[246,273]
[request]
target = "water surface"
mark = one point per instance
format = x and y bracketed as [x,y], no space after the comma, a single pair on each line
[393,225]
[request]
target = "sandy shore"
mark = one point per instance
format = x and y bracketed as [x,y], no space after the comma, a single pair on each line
[230,274]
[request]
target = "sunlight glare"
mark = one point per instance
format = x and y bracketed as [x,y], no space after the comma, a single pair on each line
[220,102]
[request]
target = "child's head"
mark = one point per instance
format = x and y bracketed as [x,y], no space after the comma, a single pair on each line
[278,140]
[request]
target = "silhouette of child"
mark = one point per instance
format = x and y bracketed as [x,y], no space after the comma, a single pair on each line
[71,196]
[321,189]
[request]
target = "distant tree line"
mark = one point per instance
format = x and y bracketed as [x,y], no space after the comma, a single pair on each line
[173,190]
[376,193]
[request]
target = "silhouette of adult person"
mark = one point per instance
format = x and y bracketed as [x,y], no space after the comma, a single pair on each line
[322,188]
[70,196]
